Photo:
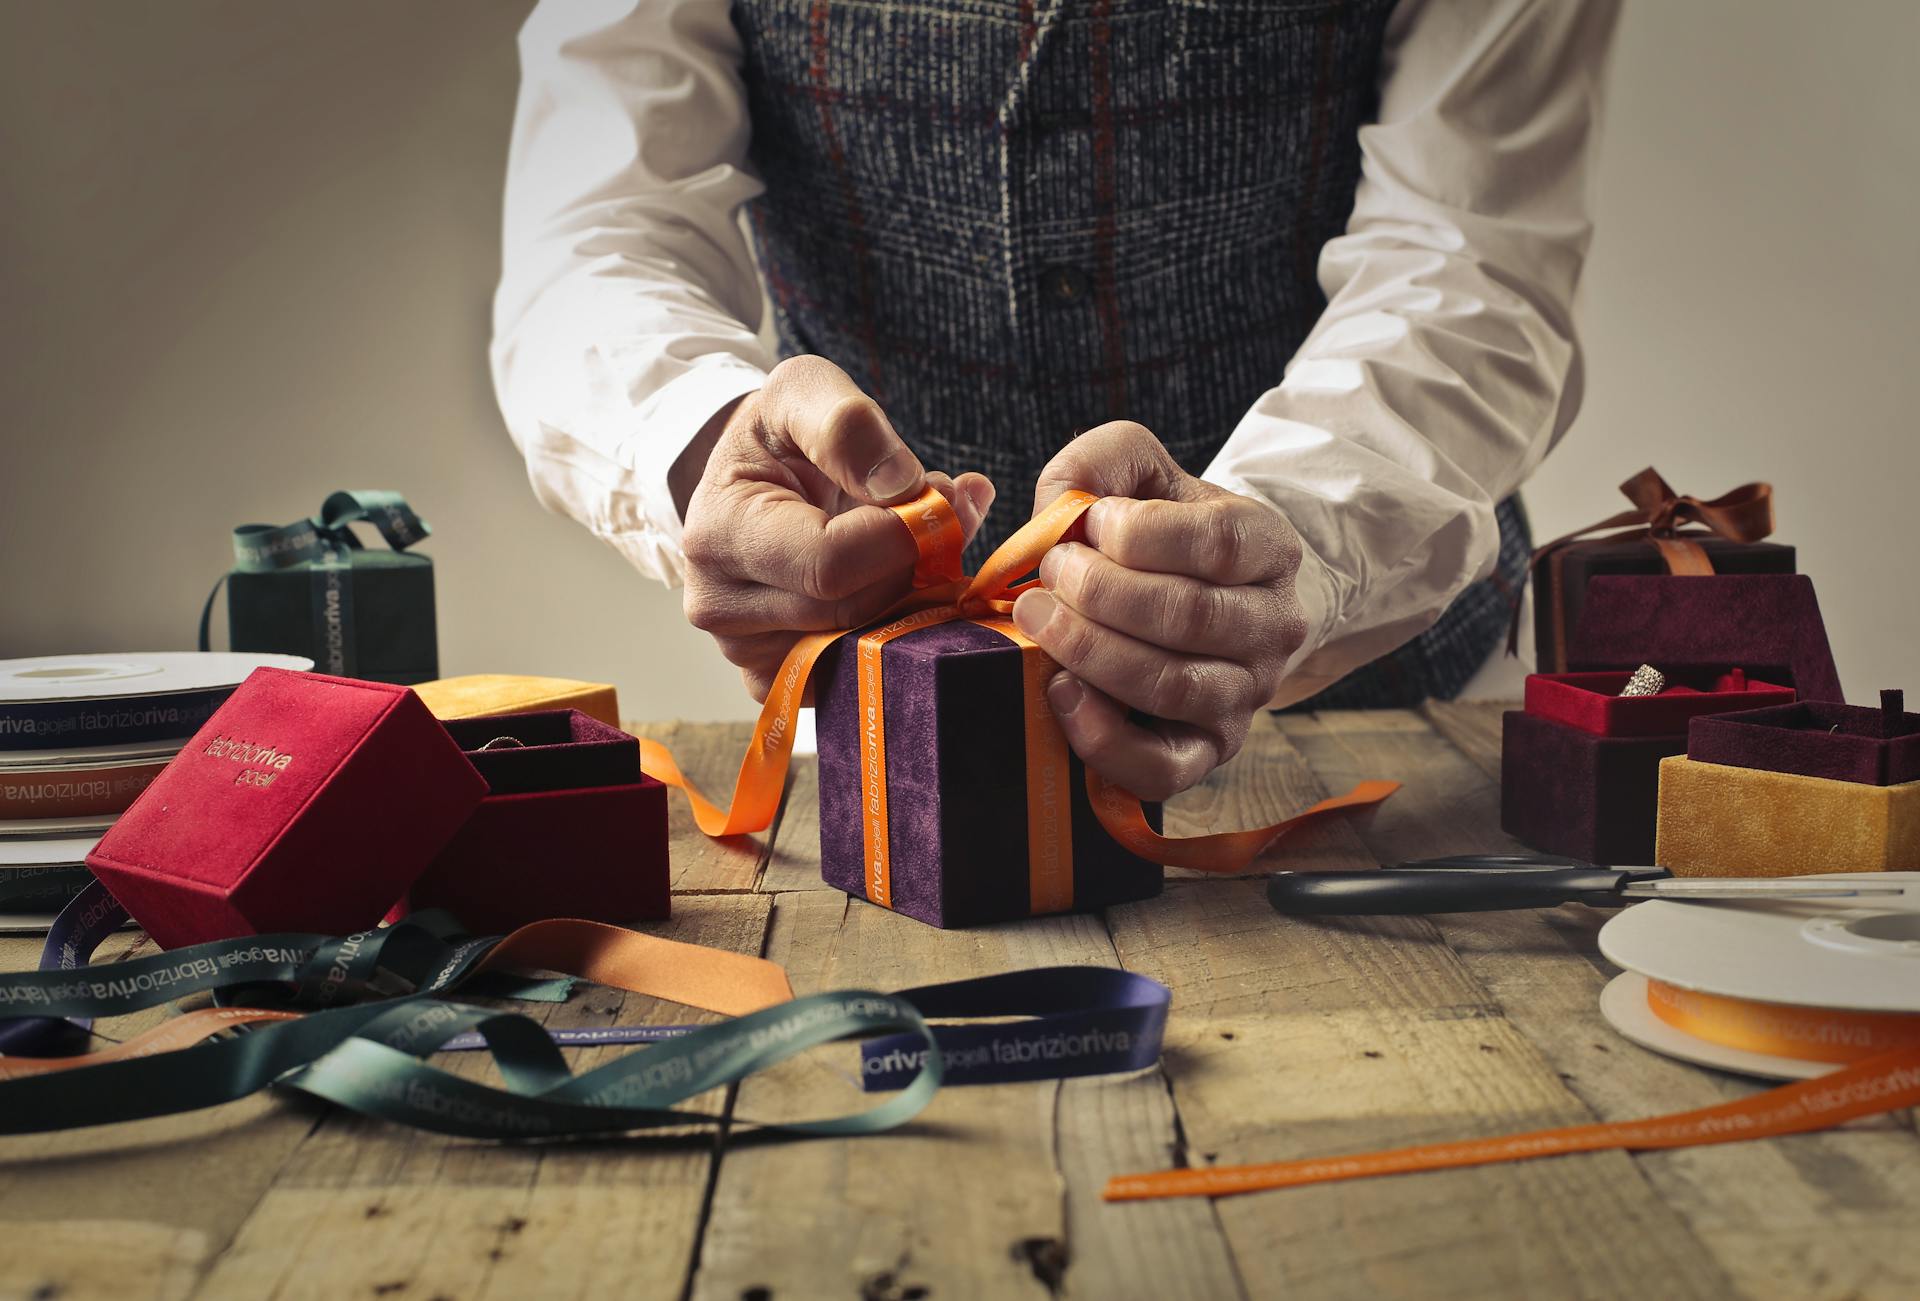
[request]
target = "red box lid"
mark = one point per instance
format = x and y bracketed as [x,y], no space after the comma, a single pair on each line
[306,803]
[1767,624]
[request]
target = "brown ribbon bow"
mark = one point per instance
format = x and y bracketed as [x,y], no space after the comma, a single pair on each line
[1743,515]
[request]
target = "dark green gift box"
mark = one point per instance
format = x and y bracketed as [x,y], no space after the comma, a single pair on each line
[311,588]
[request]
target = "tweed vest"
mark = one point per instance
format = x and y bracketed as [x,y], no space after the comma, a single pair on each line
[1012,220]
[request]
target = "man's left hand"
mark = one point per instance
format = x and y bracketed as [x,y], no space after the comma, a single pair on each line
[1180,605]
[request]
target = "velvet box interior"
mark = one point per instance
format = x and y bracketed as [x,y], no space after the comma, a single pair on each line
[1591,792]
[1560,585]
[1815,738]
[953,702]
[386,629]
[306,803]
[570,827]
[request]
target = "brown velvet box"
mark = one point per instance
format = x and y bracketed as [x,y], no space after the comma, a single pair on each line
[1810,787]
[1593,795]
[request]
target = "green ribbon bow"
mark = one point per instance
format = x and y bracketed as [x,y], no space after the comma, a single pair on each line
[325,543]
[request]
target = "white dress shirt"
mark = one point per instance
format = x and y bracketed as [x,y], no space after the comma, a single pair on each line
[1443,369]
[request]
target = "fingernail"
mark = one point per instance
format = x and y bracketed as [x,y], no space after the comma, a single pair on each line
[982,493]
[1090,522]
[1065,693]
[1051,562]
[893,476]
[1032,611]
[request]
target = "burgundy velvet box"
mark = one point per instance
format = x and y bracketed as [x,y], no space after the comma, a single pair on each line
[570,827]
[1560,585]
[956,783]
[1592,701]
[1815,738]
[1594,795]
[306,803]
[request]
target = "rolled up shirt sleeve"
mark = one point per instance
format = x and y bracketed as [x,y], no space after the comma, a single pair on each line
[1445,365]
[628,305]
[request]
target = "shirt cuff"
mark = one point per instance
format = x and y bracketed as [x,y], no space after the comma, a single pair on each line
[662,427]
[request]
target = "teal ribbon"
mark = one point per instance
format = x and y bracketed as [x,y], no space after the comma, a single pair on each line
[367,1056]
[324,543]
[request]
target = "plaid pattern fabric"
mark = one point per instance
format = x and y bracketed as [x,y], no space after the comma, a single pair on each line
[1011,220]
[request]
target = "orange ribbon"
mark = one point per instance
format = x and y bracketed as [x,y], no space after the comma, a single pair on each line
[1744,514]
[1805,1034]
[944,594]
[1882,1073]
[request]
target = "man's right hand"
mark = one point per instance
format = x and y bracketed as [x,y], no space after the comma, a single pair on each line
[785,532]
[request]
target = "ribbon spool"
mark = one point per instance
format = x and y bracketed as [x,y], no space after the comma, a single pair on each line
[1780,989]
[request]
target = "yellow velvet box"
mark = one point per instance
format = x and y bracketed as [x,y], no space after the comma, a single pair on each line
[1718,820]
[482,695]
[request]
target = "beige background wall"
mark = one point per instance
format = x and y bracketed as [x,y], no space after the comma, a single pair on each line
[246,250]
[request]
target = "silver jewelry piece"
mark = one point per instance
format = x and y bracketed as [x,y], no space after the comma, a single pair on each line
[504,743]
[1646,681]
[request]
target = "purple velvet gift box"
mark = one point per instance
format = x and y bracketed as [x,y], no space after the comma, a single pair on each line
[956,768]
[1595,796]
[1816,738]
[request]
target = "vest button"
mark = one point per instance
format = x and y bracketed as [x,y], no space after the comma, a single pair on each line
[1065,285]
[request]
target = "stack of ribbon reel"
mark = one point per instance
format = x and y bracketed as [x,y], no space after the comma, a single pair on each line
[80,737]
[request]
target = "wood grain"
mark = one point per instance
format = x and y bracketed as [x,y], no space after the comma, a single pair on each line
[971,1200]
[1826,1214]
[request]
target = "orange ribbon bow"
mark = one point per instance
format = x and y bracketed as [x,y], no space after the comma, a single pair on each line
[944,593]
[1745,514]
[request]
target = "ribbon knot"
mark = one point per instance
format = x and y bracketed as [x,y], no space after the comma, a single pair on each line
[943,593]
[1673,523]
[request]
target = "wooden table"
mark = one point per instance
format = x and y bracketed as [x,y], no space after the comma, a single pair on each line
[1287,1038]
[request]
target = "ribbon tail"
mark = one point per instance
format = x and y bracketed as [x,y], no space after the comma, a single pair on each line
[763,769]
[1223,852]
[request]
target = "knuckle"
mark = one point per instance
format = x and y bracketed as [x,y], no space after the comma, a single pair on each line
[1175,685]
[1200,613]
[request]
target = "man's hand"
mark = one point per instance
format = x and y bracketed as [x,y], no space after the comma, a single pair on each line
[1180,605]
[785,533]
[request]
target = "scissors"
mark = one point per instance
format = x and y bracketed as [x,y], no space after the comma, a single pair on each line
[1497,882]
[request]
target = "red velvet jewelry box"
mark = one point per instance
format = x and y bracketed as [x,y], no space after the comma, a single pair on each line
[1580,769]
[570,827]
[306,803]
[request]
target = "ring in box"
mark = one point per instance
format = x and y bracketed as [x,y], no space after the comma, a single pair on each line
[1580,764]
[1810,787]
[570,827]
[306,803]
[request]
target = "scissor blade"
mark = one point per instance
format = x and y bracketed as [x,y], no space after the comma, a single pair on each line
[1700,889]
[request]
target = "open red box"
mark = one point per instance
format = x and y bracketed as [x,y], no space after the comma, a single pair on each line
[1592,701]
[306,803]
[1580,769]
[570,827]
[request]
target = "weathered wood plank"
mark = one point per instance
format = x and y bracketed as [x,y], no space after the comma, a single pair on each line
[709,753]
[1818,1214]
[1267,781]
[971,1200]
[173,1189]
[370,1209]
[1473,726]
[1295,1038]
[793,860]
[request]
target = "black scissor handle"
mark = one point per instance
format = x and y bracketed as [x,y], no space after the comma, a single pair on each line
[1397,891]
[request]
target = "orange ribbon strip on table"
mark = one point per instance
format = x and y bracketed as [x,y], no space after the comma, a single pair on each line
[1743,515]
[944,594]
[1882,1073]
